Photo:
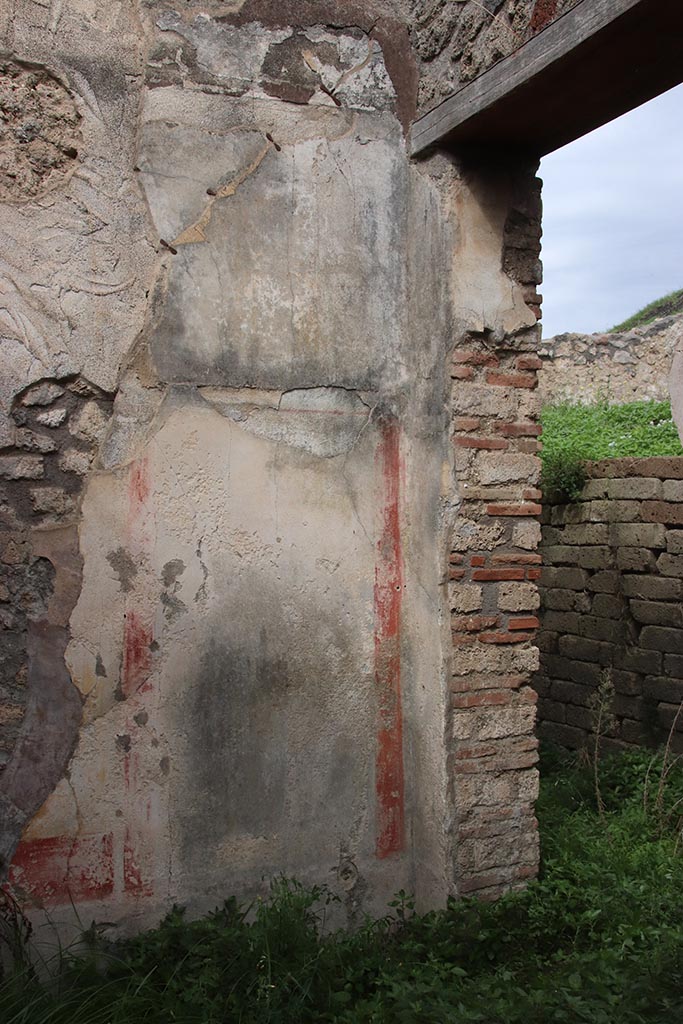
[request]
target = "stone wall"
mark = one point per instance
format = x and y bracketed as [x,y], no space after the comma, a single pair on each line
[241,460]
[626,367]
[611,591]
[458,40]
[494,565]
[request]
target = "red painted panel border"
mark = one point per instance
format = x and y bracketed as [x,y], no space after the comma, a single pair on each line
[58,870]
[388,593]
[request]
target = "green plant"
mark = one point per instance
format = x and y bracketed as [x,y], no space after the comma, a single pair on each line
[574,434]
[601,705]
[563,476]
[597,938]
[15,930]
[668,305]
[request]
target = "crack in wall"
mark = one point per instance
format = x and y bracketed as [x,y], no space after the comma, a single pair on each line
[196,231]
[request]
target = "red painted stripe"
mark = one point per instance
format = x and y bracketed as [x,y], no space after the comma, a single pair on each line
[137,655]
[59,870]
[139,486]
[389,779]
[136,866]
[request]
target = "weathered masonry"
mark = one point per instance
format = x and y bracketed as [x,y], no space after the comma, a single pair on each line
[268,391]
[625,367]
[611,593]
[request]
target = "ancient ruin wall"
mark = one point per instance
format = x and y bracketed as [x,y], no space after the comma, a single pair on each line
[626,367]
[458,40]
[611,591]
[230,303]
[494,564]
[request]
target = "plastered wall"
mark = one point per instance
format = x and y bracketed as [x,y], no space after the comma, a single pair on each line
[234,472]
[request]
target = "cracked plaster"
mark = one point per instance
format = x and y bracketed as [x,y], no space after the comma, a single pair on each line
[261,282]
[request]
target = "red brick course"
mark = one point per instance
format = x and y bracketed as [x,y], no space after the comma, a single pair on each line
[521,429]
[512,380]
[530,509]
[496,575]
[476,358]
[486,443]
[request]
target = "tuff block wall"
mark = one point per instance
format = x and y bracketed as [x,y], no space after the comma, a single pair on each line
[233,482]
[611,590]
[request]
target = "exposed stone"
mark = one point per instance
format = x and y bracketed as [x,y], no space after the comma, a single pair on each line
[460,39]
[626,367]
[656,613]
[52,500]
[626,489]
[90,424]
[671,565]
[41,136]
[52,417]
[32,442]
[633,639]
[674,542]
[652,588]
[661,638]
[501,468]
[470,535]
[74,460]
[465,597]
[44,393]
[526,535]
[21,467]
[515,597]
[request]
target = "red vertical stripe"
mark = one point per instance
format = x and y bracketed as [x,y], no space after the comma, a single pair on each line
[389,780]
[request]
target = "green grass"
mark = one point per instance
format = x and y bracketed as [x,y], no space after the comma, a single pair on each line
[597,939]
[666,306]
[573,434]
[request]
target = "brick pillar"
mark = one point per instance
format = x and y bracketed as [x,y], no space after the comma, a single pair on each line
[493,572]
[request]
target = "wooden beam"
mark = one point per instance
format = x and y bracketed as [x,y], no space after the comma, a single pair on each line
[600,59]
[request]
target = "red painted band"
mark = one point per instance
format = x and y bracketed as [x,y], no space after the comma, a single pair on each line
[389,778]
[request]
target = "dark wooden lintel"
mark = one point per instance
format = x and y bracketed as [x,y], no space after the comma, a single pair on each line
[599,60]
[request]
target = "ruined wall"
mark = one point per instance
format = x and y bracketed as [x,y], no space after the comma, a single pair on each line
[627,367]
[458,40]
[494,565]
[230,305]
[611,592]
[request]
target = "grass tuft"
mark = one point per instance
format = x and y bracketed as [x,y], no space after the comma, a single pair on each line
[668,305]
[574,434]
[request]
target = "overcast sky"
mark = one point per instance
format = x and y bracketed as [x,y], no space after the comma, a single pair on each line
[613,219]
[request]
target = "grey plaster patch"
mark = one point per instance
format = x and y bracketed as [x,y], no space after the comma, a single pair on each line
[124,566]
[170,574]
[171,571]
[172,605]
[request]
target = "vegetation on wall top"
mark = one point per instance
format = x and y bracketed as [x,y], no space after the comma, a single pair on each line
[668,305]
[574,434]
